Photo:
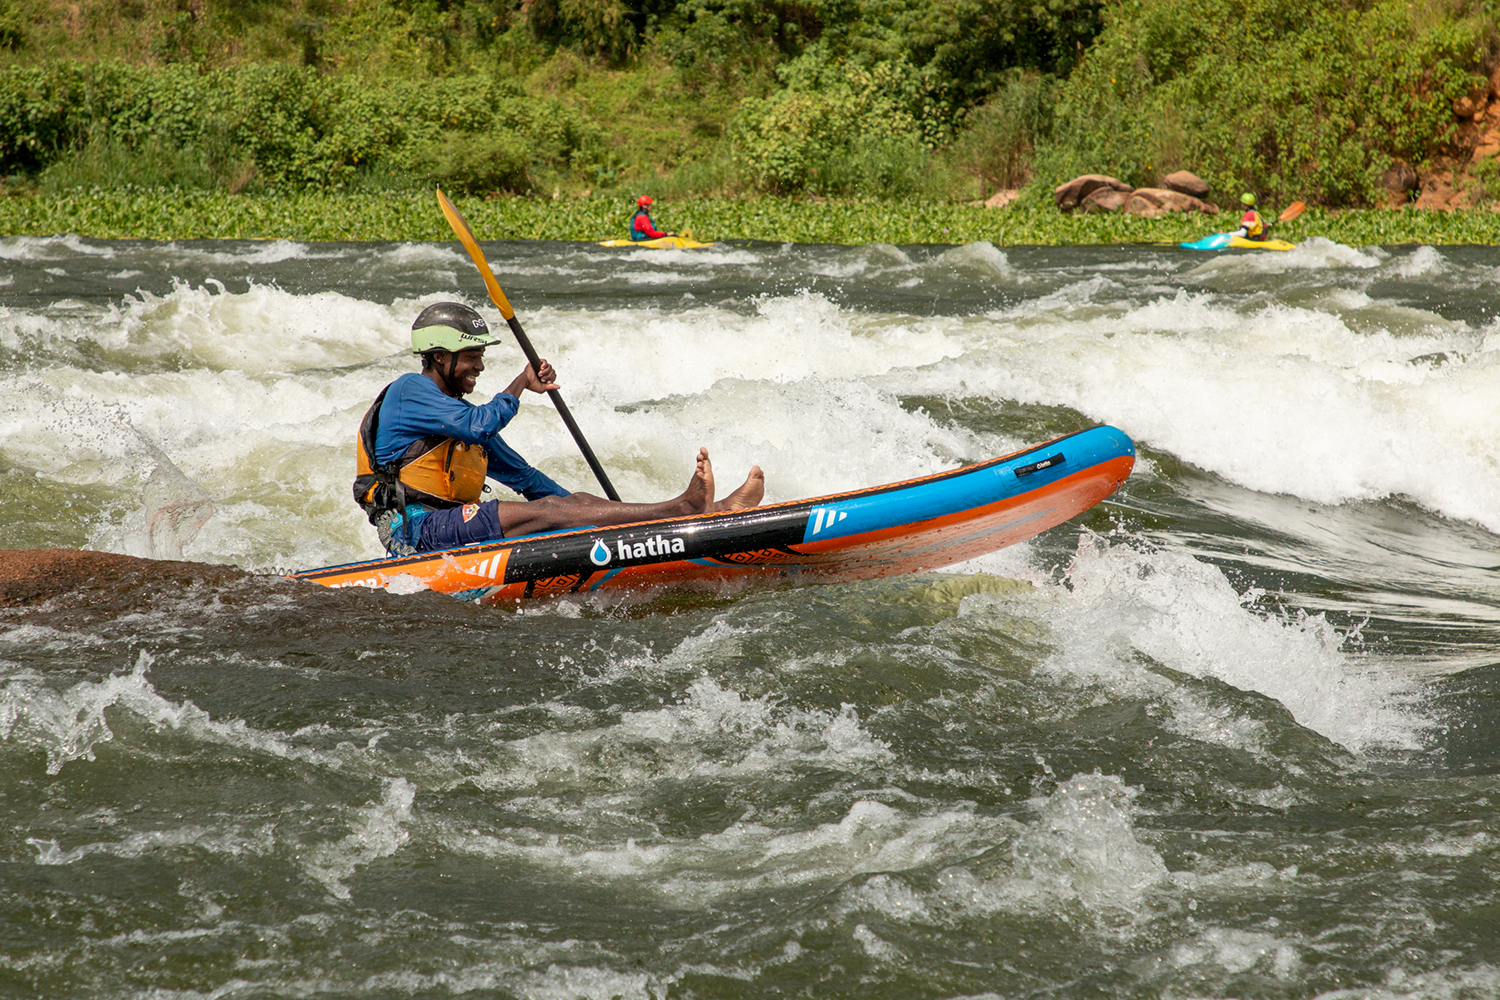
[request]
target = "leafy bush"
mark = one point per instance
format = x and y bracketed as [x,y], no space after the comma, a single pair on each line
[976,45]
[109,163]
[12,26]
[1294,98]
[831,112]
[595,27]
[1000,137]
[1291,98]
[294,126]
[711,45]
[478,163]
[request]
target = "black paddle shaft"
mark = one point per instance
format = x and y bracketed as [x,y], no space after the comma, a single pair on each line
[563,411]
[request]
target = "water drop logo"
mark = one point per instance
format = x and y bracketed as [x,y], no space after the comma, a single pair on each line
[599,554]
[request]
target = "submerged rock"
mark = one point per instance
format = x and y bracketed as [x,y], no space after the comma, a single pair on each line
[30,576]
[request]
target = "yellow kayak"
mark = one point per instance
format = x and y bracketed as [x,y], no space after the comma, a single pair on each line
[661,243]
[1244,244]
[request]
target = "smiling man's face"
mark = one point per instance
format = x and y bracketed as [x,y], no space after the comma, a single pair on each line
[466,370]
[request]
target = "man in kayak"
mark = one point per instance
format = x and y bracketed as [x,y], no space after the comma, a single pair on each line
[640,225]
[1252,226]
[424,453]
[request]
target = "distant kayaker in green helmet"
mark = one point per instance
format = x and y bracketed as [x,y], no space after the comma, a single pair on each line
[1252,226]
[641,227]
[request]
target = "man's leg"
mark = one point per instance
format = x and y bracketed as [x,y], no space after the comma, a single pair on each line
[492,519]
[580,509]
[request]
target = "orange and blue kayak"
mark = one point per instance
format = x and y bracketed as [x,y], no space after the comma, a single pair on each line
[906,527]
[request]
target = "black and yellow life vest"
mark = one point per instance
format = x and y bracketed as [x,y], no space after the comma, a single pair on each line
[435,470]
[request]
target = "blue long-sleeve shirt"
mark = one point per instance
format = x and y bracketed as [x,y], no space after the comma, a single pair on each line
[415,407]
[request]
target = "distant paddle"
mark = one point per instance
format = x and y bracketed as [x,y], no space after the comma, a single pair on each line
[1289,213]
[466,237]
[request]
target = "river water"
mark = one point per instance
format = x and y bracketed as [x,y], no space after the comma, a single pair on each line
[1230,734]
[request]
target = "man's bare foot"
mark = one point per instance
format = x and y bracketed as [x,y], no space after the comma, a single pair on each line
[699,495]
[748,495]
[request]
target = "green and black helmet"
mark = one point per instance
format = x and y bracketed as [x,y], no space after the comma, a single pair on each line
[450,326]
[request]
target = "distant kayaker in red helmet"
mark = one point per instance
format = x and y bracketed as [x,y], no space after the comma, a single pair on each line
[640,226]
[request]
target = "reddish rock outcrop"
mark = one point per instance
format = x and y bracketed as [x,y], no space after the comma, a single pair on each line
[1399,181]
[1472,103]
[1152,202]
[1104,200]
[1186,182]
[1069,195]
[1437,191]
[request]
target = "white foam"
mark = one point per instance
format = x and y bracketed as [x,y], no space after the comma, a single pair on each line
[379,830]
[1078,852]
[523,975]
[66,725]
[254,396]
[1452,982]
[1184,614]
[766,735]
[1424,260]
[1084,846]
[28,248]
[1315,254]
[267,252]
[983,260]
[1217,953]
[1279,399]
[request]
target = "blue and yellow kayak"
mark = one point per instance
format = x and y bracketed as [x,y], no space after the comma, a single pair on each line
[905,527]
[1226,241]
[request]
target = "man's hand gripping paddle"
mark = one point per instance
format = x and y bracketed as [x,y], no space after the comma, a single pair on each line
[466,237]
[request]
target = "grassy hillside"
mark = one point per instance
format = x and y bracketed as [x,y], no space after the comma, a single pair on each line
[934,100]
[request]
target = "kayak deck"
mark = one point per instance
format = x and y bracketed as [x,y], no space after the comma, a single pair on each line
[898,528]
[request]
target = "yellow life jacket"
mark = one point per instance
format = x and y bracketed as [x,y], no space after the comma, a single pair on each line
[435,470]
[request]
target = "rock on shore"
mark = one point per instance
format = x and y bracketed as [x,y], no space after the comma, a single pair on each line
[1181,191]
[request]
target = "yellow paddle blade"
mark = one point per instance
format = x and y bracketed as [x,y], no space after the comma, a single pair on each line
[687,234]
[466,237]
[1291,212]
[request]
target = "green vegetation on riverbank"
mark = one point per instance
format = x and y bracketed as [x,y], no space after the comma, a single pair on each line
[331,216]
[926,100]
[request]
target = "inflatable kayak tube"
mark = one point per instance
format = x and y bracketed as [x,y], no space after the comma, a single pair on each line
[1223,241]
[660,243]
[905,527]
